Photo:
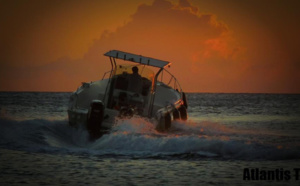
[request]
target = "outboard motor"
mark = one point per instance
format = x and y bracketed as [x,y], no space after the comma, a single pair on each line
[95,118]
[182,110]
[184,100]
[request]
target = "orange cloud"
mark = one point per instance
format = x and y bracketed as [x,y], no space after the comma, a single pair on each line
[205,55]
[174,32]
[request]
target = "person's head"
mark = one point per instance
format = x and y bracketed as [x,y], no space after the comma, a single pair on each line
[135,69]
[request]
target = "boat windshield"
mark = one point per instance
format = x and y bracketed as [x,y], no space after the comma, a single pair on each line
[142,70]
[128,88]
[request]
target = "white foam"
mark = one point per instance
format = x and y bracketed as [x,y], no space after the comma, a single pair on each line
[138,137]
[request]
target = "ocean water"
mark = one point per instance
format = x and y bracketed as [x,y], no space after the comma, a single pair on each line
[225,136]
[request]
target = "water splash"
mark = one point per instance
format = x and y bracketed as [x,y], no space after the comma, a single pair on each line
[137,137]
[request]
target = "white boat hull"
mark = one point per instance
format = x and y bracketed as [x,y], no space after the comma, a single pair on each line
[167,102]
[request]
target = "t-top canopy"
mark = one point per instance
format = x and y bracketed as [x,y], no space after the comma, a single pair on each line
[137,58]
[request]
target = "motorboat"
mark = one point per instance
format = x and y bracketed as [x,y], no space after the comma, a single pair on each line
[135,86]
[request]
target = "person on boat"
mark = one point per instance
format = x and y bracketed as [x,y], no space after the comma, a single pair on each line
[135,83]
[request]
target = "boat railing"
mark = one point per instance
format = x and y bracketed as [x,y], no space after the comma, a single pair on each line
[170,80]
[105,74]
[164,78]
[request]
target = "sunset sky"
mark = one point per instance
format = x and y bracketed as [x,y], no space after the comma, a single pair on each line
[238,46]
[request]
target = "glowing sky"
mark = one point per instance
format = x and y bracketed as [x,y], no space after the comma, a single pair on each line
[214,46]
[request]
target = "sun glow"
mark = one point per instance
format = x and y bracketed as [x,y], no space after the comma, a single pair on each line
[212,48]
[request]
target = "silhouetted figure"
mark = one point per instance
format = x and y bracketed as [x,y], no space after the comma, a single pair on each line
[135,81]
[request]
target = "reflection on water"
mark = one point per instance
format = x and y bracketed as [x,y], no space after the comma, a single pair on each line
[225,133]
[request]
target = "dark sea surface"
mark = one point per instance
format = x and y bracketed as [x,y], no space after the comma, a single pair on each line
[225,134]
